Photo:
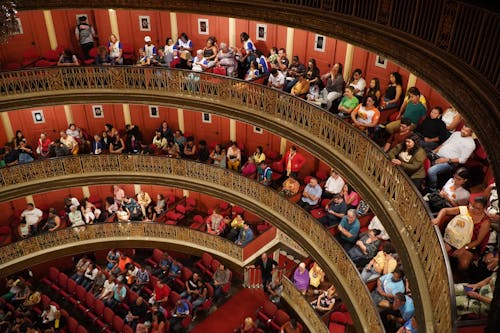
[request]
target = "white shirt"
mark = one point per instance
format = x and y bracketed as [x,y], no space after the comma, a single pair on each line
[460,195]
[334,185]
[107,287]
[376,224]
[457,146]
[278,80]
[361,85]
[91,274]
[49,315]
[32,216]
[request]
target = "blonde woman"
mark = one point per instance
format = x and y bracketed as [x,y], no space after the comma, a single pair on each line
[115,50]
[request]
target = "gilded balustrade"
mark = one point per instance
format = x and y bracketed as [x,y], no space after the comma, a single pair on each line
[221,183]
[300,305]
[47,246]
[390,192]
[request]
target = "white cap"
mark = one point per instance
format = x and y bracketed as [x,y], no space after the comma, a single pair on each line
[147,39]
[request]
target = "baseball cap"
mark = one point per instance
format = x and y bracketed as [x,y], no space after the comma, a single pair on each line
[147,39]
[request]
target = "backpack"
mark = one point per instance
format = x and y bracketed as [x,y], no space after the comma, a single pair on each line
[84,33]
[458,232]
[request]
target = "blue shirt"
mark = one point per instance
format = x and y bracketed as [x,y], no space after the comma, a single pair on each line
[391,287]
[245,236]
[182,309]
[314,191]
[407,309]
[353,229]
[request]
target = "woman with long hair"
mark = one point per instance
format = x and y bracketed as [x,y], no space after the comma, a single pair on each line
[394,92]
[410,156]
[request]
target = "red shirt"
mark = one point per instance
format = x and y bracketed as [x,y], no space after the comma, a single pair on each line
[162,292]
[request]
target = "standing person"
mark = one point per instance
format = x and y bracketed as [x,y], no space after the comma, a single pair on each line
[266,266]
[292,162]
[32,216]
[85,35]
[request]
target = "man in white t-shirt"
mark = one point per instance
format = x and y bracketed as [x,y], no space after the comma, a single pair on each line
[334,185]
[457,149]
[276,79]
[33,216]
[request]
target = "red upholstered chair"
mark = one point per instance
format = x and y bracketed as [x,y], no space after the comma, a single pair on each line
[320,212]
[280,318]
[52,279]
[214,265]
[266,312]
[70,289]
[81,297]
[272,156]
[205,306]
[204,263]
[97,311]
[322,175]
[155,258]
[170,199]
[198,223]
[118,324]
[237,210]
[49,59]
[339,322]
[227,287]
[190,204]
[81,329]
[62,281]
[185,275]
[128,54]
[5,235]
[128,329]
[30,56]
[12,66]
[72,326]
[108,316]
[92,55]
[89,301]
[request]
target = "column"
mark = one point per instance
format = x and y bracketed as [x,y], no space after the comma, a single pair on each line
[282,146]
[86,191]
[126,114]
[173,26]
[180,119]
[69,114]
[29,199]
[232,129]
[349,55]
[113,21]
[289,42]
[7,126]
[137,188]
[232,31]
[185,193]
[51,31]
[412,79]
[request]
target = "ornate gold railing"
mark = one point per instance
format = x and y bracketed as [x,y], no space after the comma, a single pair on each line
[222,183]
[388,189]
[300,305]
[50,245]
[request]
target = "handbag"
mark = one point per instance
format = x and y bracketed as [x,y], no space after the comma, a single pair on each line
[219,70]
[458,232]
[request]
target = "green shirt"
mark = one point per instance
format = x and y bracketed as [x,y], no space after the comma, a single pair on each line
[349,103]
[414,112]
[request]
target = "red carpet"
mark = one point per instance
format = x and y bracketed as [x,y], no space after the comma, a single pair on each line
[231,314]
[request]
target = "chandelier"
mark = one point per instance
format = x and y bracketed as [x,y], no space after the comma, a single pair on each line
[8,22]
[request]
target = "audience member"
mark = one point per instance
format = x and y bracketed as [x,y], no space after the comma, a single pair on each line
[325,301]
[233,157]
[334,84]
[399,136]
[388,286]
[394,92]
[32,216]
[348,103]
[358,83]
[410,157]
[383,263]
[413,109]
[366,115]
[245,235]
[335,211]
[334,185]
[311,195]
[433,130]
[301,278]
[365,248]
[348,230]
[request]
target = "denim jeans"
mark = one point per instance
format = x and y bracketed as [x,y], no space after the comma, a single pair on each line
[434,172]
[369,274]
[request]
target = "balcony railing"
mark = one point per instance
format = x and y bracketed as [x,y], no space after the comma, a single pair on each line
[222,183]
[392,195]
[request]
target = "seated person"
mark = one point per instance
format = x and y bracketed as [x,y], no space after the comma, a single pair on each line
[335,211]
[301,87]
[191,287]
[225,58]
[452,119]
[215,223]
[474,213]
[219,280]
[433,130]
[245,236]
[334,84]
[253,72]
[102,58]
[69,142]
[311,195]
[316,275]
[160,294]
[295,69]
[276,79]
[348,230]
[456,149]
[410,157]
[248,326]
[452,194]
[376,224]
[53,221]
[334,185]
[143,59]
[366,115]
[383,263]
[290,187]
[233,156]
[388,286]
[249,169]
[475,298]
[107,289]
[275,289]
[178,313]
[399,136]
[11,156]
[301,278]
[68,58]
[412,109]
[264,174]
[291,326]
[401,313]
[348,103]
[325,301]
[365,248]
[200,63]
[394,92]
[236,225]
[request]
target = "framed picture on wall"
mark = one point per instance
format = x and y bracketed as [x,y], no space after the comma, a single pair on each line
[206,118]
[18,27]
[258,130]
[38,117]
[97,111]
[144,23]
[319,43]
[261,32]
[203,26]
[153,111]
[380,62]
[81,15]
